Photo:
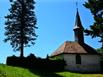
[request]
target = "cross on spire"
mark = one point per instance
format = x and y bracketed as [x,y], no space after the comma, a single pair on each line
[77,5]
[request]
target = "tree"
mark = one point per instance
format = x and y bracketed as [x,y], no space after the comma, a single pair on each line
[21,21]
[96,29]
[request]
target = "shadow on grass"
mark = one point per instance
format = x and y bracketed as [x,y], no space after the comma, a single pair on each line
[44,73]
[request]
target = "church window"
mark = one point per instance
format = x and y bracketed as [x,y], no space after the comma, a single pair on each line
[78,59]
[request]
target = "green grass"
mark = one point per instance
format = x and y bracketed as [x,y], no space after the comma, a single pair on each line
[9,71]
[70,74]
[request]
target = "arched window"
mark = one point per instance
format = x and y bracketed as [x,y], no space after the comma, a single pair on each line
[78,59]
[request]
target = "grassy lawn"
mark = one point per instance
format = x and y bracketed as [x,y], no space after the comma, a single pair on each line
[70,74]
[9,71]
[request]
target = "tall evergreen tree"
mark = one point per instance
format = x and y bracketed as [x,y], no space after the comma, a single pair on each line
[21,21]
[96,29]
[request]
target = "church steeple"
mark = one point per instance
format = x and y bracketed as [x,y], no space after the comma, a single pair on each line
[78,29]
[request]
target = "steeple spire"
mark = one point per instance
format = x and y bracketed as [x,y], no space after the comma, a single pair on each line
[78,29]
[78,23]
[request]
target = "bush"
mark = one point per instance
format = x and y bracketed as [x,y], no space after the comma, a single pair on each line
[32,62]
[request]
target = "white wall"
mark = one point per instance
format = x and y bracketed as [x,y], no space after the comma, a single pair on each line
[89,63]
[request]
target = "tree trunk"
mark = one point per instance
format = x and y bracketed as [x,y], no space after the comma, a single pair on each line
[22,32]
[22,51]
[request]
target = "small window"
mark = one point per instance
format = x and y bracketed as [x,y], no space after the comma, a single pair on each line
[78,59]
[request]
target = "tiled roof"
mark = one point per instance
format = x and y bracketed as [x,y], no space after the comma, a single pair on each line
[74,47]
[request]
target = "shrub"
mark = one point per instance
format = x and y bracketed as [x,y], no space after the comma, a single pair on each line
[32,62]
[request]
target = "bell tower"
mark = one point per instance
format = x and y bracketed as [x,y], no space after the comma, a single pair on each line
[78,29]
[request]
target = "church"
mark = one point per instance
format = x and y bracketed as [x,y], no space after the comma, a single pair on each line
[79,56]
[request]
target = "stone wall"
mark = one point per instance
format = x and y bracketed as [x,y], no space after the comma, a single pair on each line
[89,63]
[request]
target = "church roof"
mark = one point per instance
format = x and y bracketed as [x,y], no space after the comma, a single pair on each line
[70,47]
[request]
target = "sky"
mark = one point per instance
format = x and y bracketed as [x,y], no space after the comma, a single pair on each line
[55,21]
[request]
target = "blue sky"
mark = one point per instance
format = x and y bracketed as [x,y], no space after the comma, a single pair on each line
[55,19]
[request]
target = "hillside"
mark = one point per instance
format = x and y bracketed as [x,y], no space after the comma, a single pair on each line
[9,71]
